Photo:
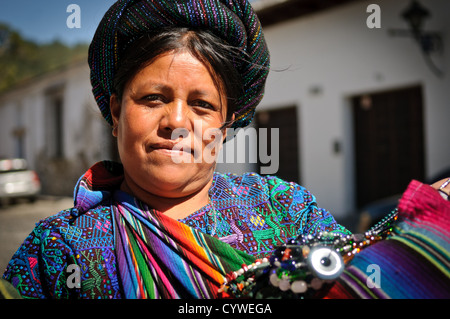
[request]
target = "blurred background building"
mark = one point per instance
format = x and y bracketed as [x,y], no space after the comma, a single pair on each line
[361,101]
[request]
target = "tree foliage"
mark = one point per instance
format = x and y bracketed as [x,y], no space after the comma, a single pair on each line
[22,59]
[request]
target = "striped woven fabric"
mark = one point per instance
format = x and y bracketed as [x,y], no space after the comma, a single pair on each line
[159,257]
[412,264]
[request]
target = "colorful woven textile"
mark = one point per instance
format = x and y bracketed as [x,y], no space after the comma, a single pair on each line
[159,257]
[252,214]
[414,263]
[233,21]
[405,256]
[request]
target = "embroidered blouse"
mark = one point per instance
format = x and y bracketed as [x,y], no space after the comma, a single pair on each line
[250,212]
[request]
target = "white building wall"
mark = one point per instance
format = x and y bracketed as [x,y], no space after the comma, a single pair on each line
[86,127]
[86,136]
[34,106]
[6,116]
[320,61]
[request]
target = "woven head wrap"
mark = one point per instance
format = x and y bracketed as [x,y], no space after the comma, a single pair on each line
[234,21]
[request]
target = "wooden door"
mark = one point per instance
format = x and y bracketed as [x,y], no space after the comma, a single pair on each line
[285,120]
[389,142]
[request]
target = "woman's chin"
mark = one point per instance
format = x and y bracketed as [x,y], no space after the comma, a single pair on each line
[173,176]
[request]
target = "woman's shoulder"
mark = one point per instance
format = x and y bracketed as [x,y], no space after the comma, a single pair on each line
[57,241]
[71,215]
[270,184]
[72,227]
[68,232]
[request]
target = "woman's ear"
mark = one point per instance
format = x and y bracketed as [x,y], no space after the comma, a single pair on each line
[114,108]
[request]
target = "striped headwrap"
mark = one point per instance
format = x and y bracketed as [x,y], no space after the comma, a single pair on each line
[234,21]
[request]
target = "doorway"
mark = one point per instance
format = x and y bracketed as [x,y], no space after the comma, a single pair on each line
[284,119]
[388,141]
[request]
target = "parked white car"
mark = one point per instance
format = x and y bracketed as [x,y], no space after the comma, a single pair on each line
[17,181]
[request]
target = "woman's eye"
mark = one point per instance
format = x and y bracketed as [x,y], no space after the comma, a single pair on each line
[153,98]
[203,104]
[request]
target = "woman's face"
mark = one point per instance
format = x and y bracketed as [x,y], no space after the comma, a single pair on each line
[171,103]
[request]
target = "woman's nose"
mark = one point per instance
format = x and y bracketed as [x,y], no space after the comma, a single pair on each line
[175,117]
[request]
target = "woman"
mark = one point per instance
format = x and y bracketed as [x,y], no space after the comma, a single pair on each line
[170,77]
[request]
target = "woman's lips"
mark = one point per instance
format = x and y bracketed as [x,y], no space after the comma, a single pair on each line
[172,148]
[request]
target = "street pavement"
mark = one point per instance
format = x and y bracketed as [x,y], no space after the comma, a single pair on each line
[18,220]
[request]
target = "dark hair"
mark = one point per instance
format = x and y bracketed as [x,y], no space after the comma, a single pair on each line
[209,49]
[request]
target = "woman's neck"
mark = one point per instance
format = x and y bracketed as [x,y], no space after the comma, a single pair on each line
[174,207]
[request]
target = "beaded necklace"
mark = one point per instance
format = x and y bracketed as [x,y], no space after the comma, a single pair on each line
[305,266]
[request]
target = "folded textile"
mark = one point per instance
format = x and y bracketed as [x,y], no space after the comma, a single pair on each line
[159,257]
